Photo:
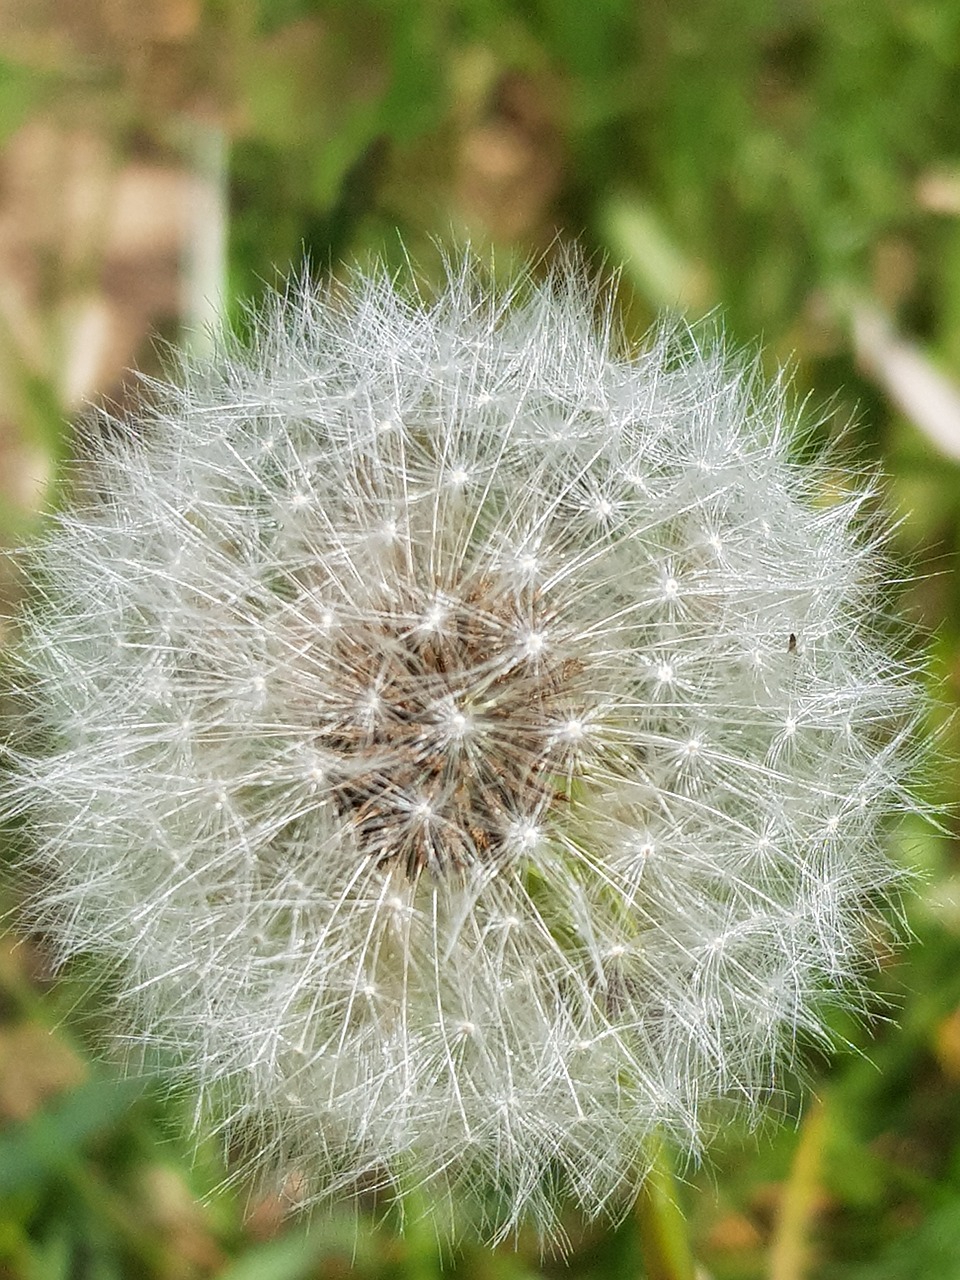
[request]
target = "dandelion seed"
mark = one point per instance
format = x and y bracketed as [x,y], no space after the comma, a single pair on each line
[511,854]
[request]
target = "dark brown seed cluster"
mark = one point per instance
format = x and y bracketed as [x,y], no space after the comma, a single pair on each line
[452,726]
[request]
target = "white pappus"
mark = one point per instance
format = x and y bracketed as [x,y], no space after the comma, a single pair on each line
[464,742]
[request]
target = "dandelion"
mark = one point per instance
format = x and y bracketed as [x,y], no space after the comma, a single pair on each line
[463,742]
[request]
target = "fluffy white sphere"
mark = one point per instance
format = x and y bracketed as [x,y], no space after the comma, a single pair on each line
[464,744]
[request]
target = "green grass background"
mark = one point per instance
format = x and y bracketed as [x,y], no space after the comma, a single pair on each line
[780,161]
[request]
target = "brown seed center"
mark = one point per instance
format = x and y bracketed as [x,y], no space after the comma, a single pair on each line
[454,724]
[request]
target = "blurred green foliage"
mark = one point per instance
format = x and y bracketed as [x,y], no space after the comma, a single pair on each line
[769,159]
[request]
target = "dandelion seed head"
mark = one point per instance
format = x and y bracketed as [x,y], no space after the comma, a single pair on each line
[466,742]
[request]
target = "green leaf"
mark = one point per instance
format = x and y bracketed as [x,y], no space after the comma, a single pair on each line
[49,1142]
[289,1258]
[932,1250]
[52,1257]
[20,90]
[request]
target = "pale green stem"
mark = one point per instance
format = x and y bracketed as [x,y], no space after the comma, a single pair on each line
[205,257]
[664,1239]
[790,1246]
[421,1252]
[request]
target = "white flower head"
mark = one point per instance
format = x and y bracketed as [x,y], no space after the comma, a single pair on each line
[465,743]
